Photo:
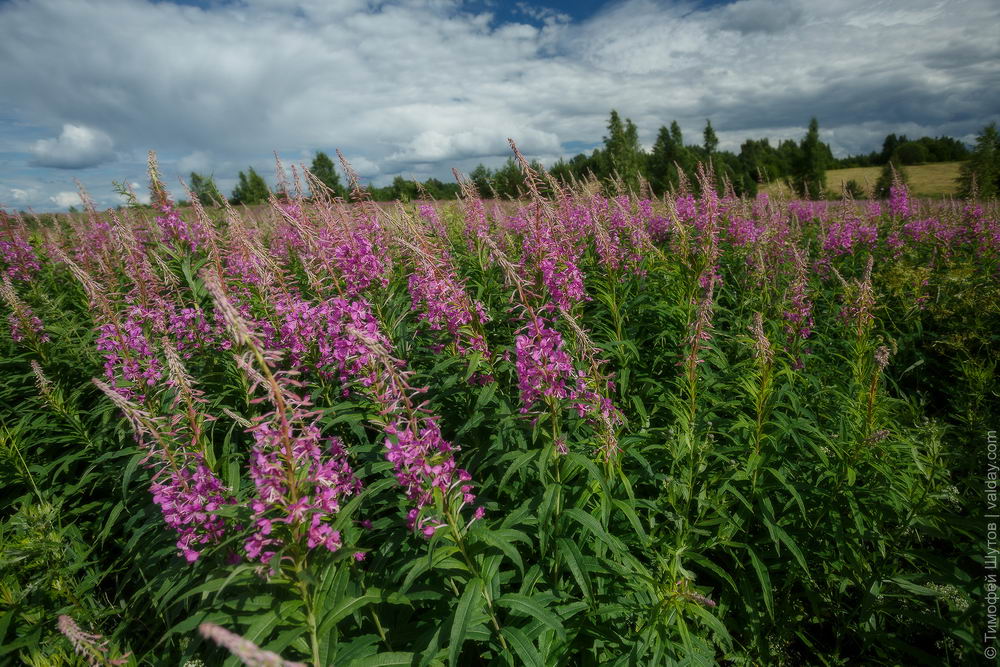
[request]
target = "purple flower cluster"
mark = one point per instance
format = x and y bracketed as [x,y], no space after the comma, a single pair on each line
[359,258]
[423,461]
[440,297]
[301,479]
[130,362]
[16,254]
[430,214]
[23,321]
[191,330]
[798,310]
[174,230]
[26,325]
[188,496]
[323,337]
[899,199]
[842,236]
[477,225]
[563,279]
[545,369]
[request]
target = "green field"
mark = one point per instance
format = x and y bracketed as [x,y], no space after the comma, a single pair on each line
[926,180]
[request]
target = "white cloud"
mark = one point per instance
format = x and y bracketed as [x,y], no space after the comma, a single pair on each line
[66,199]
[77,147]
[200,161]
[141,194]
[405,86]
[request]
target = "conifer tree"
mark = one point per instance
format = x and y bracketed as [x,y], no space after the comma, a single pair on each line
[711,140]
[981,172]
[251,188]
[204,188]
[323,169]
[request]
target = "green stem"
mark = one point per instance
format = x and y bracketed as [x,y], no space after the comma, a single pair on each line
[460,542]
[303,588]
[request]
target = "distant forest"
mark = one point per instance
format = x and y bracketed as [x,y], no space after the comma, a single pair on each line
[801,164]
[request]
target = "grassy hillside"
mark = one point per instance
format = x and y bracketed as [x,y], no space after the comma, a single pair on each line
[926,180]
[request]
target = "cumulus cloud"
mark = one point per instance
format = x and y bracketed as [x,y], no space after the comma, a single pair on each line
[418,86]
[200,161]
[76,148]
[66,199]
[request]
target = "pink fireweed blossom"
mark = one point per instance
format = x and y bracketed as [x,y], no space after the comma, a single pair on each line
[130,362]
[359,258]
[477,225]
[24,324]
[440,297]
[176,231]
[423,461]
[187,491]
[430,214]
[318,337]
[17,257]
[545,369]
[301,479]
[899,198]
[188,497]
[798,313]
[563,279]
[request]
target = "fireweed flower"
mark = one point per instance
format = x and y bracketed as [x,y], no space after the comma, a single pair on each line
[440,297]
[798,313]
[423,461]
[545,369]
[176,231]
[17,257]
[319,338]
[358,256]
[183,486]
[24,324]
[93,648]
[245,650]
[301,479]
[130,362]
[430,214]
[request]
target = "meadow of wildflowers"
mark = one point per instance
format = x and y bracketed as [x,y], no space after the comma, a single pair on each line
[578,428]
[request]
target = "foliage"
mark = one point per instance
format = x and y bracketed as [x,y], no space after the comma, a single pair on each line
[251,189]
[892,172]
[205,190]
[809,168]
[576,428]
[323,169]
[980,176]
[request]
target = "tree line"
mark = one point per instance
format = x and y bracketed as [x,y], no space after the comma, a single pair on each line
[621,160]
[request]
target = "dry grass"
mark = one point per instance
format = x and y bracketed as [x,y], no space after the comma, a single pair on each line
[926,180]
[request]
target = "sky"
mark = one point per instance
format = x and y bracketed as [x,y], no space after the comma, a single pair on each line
[417,87]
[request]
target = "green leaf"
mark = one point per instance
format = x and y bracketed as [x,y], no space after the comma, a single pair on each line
[395,659]
[765,581]
[522,646]
[574,560]
[529,607]
[469,602]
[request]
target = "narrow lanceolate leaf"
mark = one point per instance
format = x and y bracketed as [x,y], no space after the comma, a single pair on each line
[394,659]
[470,602]
[570,554]
[526,606]
[765,581]
[522,646]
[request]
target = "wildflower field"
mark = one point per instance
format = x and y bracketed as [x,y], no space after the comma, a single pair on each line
[579,428]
